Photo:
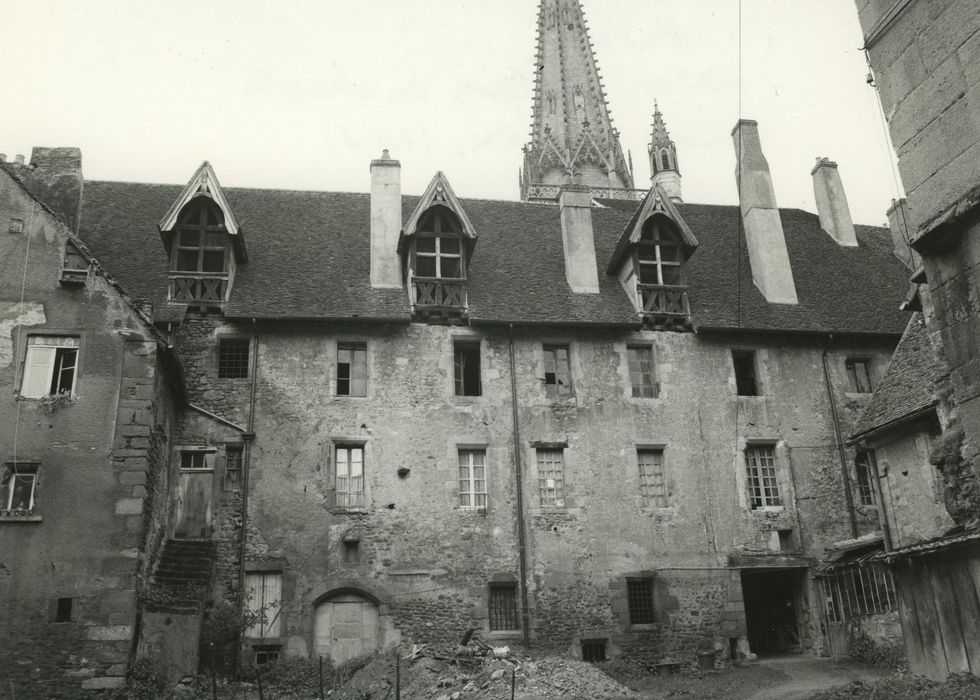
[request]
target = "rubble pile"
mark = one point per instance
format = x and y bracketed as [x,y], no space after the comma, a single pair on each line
[442,676]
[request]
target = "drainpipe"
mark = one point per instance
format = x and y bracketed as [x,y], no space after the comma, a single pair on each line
[247,438]
[848,496]
[521,541]
[886,529]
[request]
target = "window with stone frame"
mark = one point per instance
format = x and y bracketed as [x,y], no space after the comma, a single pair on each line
[438,250]
[643,382]
[349,476]
[50,366]
[472,479]
[864,475]
[557,371]
[859,374]
[653,485]
[466,368]
[502,607]
[18,488]
[551,476]
[760,465]
[639,600]
[351,369]
[746,379]
[233,358]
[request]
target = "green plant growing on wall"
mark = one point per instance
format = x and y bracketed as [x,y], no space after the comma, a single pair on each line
[960,479]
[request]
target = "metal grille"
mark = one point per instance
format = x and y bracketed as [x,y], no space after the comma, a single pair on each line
[639,597]
[855,591]
[593,650]
[641,372]
[233,358]
[551,477]
[472,479]
[503,606]
[653,488]
[557,372]
[760,461]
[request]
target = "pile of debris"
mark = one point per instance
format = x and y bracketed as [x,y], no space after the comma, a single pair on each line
[477,670]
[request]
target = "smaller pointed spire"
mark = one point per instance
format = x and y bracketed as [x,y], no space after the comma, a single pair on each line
[664,170]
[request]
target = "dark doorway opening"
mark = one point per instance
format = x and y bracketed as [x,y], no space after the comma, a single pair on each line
[774,601]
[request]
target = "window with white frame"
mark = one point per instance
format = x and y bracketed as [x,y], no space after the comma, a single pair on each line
[50,366]
[551,476]
[263,592]
[760,464]
[473,479]
[18,489]
[653,486]
[349,476]
[642,381]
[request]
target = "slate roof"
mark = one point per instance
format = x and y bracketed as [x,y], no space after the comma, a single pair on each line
[959,538]
[309,258]
[907,387]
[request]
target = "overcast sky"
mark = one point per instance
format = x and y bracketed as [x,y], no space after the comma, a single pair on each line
[302,94]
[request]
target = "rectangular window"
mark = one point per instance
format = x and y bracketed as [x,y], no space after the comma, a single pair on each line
[642,379]
[760,463]
[197,459]
[653,488]
[50,366]
[349,483]
[551,477]
[858,590]
[557,371]
[351,369]
[234,458]
[503,607]
[352,551]
[263,593]
[864,472]
[473,478]
[63,610]
[639,598]
[266,654]
[19,487]
[466,368]
[746,383]
[859,373]
[233,358]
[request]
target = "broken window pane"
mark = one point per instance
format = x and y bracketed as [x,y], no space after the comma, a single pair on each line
[557,371]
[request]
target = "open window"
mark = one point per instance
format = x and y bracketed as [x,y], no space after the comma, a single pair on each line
[557,372]
[351,369]
[466,368]
[18,488]
[746,379]
[74,266]
[50,366]
[859,374]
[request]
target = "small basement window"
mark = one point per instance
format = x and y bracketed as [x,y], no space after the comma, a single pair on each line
[593,650]
[746,382]
[466,368]
[233,358]
[266,654]
[639,598]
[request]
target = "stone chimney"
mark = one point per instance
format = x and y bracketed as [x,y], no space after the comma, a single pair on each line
[900,224]
[54,176]
[835,216]
[386,221]
[764,237]
[578,241]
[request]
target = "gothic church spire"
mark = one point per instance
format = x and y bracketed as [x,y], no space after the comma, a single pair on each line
[572,136]
[664,170]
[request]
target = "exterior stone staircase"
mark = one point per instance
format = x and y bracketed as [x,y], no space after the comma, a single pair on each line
[182,578]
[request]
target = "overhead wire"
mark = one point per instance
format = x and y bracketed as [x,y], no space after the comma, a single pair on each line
[23,294]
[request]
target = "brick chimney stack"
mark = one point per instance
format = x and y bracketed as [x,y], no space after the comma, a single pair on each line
[835,215]
[577,239]
[386,221]
[764,237]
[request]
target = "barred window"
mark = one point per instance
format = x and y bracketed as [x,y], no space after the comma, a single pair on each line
[551,477]
[653,488]
[351,369]
[349,480]
[864,471]
[641,370]
[473,478]
[855,591]
[557,371]
[639,598]
[233,358]
[503,606]
[760,462]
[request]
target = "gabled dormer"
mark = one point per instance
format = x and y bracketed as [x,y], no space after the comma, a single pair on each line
[436,245]
[204,243]
[650,260]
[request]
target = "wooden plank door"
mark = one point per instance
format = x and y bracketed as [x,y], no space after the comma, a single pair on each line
[346,627]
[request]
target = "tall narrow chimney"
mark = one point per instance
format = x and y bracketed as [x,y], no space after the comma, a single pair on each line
[835,216]
[900,223]
[386,221]
[764,237]
[578,241]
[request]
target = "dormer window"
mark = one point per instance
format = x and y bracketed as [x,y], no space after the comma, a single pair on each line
[438,249]
[659,258]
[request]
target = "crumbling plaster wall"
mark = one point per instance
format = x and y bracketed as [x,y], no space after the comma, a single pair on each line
[89,523]
[433,560]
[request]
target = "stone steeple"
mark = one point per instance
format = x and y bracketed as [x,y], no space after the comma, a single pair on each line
[664,170]
[572,137]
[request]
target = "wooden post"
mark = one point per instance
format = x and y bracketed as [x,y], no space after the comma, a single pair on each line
[320,658]
[214,680]
[513,682]
[398,675]
[258,679]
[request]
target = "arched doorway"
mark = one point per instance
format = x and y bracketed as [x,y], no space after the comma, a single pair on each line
[346,626]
